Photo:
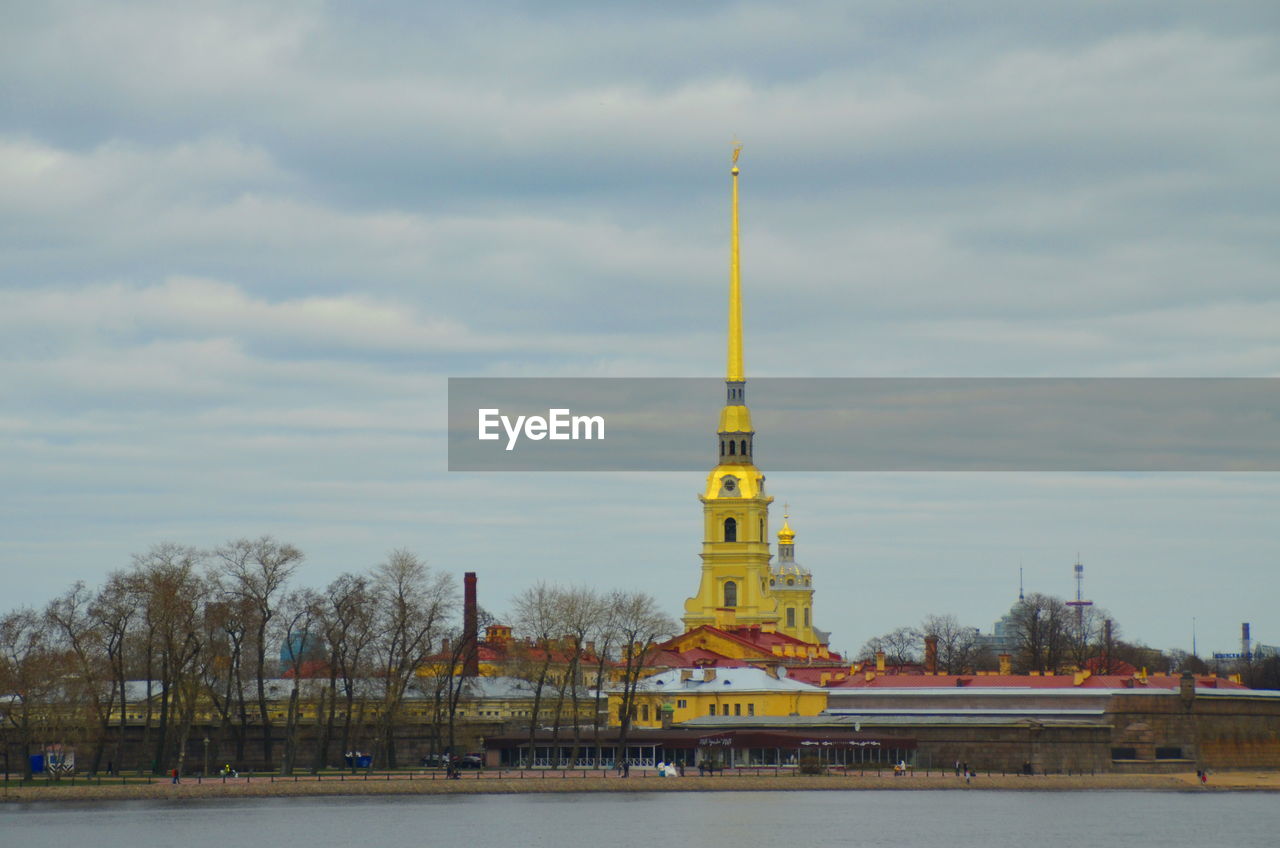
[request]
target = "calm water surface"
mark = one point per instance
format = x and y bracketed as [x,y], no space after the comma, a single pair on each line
[952,819]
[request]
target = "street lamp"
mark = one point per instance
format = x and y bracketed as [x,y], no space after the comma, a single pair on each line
[206,756]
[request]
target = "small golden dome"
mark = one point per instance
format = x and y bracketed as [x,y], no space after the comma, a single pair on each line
[786,536]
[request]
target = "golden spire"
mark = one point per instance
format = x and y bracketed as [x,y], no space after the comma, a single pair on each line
[735,374]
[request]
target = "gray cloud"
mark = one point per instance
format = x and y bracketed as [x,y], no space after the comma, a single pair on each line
[244,243]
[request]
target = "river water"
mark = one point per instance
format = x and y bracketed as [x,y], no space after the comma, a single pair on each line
[949,819]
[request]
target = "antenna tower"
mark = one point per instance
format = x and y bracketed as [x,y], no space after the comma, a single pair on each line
[1079,603]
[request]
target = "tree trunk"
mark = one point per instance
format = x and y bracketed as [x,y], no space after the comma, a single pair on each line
[263,712]
[146,719]
[533,713]
[324,722]
[290,729]
[157,762]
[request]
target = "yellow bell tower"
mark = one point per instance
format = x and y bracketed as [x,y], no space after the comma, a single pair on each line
[792,584]
[734,590]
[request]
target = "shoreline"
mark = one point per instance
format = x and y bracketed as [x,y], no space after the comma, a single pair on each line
[397,785]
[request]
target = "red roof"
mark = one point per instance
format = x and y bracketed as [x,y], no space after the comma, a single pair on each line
[1113,666]
[694,658]
[812,674]
[1021,681]
[753,637]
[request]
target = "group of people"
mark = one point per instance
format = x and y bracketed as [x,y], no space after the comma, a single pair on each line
[226,771]
[962,769]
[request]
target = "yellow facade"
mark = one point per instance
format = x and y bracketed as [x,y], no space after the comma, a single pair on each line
[690,701]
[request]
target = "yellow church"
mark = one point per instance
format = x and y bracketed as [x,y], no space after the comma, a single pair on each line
[743,595]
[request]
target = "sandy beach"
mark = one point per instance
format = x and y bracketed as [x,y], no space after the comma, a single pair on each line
[305,785]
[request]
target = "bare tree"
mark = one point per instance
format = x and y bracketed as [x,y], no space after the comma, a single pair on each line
[172,595]
[78,636]
[1263,672]
[347,622]
[29,673]
[414,609]
[640,622]
[446,681]
[1137,654]
[1177,661]
[256,572]
[227,623]
[582,612]
[959,649]
[1086,634]
[301,614]
[114,611]
[607,638]
[1041,629]
[900,646]
[537,619]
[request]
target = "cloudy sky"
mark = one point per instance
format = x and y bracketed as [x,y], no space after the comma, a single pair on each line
[242,246]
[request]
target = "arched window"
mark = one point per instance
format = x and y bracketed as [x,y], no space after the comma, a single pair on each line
[722,447]
[791,616]
[744,447]
[730,592]
[731,446]
[806,616]
[762,529]
[730,530]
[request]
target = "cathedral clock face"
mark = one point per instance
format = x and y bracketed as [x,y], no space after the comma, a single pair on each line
[729,484]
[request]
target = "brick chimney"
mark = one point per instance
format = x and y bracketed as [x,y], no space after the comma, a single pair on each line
[1187,688]
[1106,646]
[470,634]
[1006,664]
[879,660]
[931,655]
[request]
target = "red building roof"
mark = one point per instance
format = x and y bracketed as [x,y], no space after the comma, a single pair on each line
[1023,681]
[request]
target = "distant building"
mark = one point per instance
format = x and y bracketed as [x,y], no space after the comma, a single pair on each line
[680,695]
[1003,638]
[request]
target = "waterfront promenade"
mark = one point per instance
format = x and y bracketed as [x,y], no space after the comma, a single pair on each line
[507,782]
